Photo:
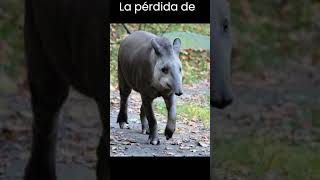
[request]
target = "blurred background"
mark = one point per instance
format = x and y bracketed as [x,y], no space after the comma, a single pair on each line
[11,45]
[80,127]
[272,130]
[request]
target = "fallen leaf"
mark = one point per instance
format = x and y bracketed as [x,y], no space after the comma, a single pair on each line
[202,144]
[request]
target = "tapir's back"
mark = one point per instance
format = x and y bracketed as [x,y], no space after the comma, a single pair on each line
[136,47]
[138,37]
[136,59]
[71,34]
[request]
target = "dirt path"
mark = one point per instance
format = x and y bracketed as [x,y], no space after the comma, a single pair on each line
[190,139]
[270,104]
[64,171]
[79,133]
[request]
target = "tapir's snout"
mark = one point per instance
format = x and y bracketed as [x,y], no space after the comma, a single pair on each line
[178,93]
[221,100]
[221,103]
[177,90]
[177,86]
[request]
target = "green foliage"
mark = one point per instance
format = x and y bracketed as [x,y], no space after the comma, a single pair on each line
[190,40]
[258,157]
[160,29]
[196,65]
[11,36]
[273,33]
[315,113]
[188,111]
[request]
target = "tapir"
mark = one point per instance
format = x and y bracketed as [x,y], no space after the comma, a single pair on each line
[150,65]
[66,46]
[220,55]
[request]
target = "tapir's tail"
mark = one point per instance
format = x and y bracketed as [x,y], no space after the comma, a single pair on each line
[127,29]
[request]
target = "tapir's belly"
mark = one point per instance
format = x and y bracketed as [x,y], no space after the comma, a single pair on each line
[136,77]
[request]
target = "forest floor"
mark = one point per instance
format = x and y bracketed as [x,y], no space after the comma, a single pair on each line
[190,139]
[272,129]
[79,132]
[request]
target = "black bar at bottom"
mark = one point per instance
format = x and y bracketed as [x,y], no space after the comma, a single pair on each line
[167,168]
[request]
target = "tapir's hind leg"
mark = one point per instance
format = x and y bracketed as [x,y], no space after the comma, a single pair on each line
[48,92]
[103,165]
[125,91]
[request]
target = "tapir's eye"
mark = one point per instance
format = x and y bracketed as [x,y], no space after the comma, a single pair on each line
[225,25]
[164,70]
[180,69]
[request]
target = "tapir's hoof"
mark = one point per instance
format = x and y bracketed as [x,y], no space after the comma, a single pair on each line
[123,125]
[154,141]
[145,131]
[168,133]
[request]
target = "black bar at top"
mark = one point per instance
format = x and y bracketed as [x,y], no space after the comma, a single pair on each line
[201,14]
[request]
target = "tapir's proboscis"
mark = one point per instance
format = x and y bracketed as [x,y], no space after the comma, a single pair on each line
[65,47]
[150,65]
[221,43]
[220,77]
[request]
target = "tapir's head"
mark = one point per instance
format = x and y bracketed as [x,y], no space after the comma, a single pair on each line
[167,73]
[221,93]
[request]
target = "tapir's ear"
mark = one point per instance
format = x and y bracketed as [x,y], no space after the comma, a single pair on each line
[156,46]
[176,45]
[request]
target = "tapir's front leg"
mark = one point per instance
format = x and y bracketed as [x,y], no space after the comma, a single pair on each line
[171,123]
[153,128]
[144,123]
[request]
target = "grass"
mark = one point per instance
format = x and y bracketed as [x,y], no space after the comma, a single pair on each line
[273,35]
[254,156]
[258,157]
[11,37]
[315,113]
[188,111]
